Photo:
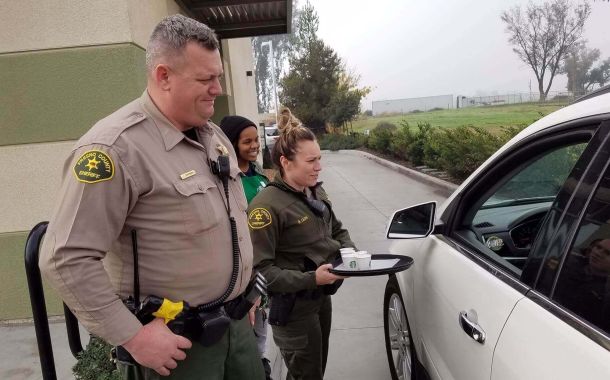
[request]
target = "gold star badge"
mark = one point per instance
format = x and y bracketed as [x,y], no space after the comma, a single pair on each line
[92,164]
[259,218]
[88,169]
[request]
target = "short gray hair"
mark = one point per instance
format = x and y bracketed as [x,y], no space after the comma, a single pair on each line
[170,36]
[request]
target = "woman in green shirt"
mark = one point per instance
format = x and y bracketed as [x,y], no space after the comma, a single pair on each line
[244,136]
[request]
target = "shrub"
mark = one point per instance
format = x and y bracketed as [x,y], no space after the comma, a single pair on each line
[368,113]
[94,362]
[417,148]
[461,150]
[458,151]
[402,139]
[435,109]
[342,141]
[381,136]
[410,145]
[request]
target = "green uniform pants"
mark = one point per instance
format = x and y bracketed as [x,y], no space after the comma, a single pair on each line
[234,357]
[303,342]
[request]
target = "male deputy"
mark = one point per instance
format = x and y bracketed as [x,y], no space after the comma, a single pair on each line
[147,167]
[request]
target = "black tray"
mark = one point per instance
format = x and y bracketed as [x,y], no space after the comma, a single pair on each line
[403,263]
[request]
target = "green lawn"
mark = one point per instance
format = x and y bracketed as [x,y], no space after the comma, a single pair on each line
[490,116]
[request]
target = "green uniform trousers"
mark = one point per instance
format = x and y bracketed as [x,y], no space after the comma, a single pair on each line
[234,357]
[303,342]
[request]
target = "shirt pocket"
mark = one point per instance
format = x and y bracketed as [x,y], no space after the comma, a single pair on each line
[199,204]
[237,190]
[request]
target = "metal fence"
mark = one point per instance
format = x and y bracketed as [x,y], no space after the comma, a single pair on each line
[514,98]
[402,106]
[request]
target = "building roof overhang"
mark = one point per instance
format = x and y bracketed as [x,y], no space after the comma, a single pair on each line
[241,18]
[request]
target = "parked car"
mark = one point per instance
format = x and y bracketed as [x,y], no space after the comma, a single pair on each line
[271,134]
[511,275]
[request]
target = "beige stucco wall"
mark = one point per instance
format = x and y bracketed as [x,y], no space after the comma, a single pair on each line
[239,60]
[31,174]
[145,14]
[35,25]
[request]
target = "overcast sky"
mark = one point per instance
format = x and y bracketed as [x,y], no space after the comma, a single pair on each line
[413,48]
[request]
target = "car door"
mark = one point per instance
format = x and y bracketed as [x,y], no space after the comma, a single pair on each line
[561,329]
[469,279]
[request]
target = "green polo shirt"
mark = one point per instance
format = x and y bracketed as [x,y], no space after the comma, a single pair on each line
[253,182]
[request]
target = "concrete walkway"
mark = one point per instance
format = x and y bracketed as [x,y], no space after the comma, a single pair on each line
[364,192]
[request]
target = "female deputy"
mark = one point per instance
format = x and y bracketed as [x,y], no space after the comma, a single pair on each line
[295,235]
[244,137]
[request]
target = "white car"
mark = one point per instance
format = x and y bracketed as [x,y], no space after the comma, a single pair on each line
[511,276]
[271,134]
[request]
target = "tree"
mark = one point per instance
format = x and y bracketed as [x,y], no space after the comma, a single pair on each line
[311,83]
[541,35]
[578,67]
[317,86]
[282,46]
[600,75]
[345,104]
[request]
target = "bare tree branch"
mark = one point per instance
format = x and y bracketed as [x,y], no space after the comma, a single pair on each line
[543,34]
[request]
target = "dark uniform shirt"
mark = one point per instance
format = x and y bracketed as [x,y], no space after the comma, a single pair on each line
[291,238]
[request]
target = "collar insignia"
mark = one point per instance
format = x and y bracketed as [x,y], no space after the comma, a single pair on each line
[222,150]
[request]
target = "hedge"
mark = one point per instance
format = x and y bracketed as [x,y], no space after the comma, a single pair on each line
[457,151]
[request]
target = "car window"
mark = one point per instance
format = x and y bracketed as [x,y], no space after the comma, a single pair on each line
[504,221]
[583,285]
[539,181]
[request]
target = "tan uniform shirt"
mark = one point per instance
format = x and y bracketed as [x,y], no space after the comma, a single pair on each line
[135,170]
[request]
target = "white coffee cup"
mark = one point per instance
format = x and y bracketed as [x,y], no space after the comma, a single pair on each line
[363,259]
[350,261]
[346,251]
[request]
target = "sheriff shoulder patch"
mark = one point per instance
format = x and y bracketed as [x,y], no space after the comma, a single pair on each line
[94,166]
[259,218]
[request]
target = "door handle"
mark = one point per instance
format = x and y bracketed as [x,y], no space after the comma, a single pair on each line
[471,328]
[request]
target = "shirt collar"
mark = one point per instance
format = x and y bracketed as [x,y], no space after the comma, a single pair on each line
[278,180]
[169,133]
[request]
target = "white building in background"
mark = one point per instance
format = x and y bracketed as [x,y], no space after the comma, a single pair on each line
[412,104]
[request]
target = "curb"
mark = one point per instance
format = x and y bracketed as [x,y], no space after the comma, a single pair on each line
[447,188]
[30,321]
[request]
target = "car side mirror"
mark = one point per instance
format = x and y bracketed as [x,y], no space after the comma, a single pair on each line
[412,223]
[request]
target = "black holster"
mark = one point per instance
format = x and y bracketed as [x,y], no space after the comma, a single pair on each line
[212,325]
[281,307]
[239,307]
